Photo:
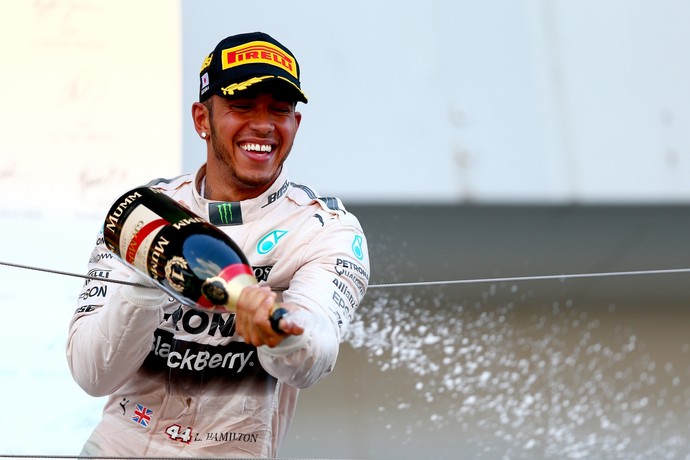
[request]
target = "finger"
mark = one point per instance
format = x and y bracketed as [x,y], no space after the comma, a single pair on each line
[289,327]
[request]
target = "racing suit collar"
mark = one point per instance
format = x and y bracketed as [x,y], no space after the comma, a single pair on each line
[224,213]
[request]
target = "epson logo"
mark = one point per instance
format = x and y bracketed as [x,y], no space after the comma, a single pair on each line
[96,291]
[340,302]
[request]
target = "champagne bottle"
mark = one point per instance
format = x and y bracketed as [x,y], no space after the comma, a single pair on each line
[185,255]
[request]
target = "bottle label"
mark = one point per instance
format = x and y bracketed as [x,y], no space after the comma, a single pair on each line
[138,232]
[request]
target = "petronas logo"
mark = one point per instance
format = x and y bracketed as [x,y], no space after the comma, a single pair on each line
[357,247]
[229,213]
[269,241]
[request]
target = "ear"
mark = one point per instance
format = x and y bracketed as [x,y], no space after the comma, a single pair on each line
[201,118]
[298,120]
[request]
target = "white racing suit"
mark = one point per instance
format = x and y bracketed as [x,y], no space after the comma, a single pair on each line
[180,381]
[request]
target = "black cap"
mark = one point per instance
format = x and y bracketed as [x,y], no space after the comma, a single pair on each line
[242,61]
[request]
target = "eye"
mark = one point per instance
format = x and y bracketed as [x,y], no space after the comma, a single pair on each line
[283,109]
[241,106]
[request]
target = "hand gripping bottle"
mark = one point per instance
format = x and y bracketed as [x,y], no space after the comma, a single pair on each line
[186,256]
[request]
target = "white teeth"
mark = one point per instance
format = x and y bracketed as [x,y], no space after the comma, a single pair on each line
[257,148]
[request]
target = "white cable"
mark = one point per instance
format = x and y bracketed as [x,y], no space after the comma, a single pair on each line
[533,278]
[561,277]
[77,275]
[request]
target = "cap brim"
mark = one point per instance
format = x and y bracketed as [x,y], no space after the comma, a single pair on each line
[272,83]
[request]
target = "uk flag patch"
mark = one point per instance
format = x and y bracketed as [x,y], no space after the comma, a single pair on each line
[142,415]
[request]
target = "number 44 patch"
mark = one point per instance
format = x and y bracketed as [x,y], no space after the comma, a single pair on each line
[176,433]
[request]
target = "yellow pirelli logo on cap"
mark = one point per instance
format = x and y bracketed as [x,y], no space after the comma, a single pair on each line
[258,53]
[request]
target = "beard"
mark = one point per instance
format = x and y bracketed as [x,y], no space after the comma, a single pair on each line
[232,173]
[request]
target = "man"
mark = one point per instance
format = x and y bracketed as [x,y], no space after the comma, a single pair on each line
[187,382]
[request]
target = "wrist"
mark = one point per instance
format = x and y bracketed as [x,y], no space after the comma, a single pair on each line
[144,294]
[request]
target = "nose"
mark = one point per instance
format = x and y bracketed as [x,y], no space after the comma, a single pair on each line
[262,120]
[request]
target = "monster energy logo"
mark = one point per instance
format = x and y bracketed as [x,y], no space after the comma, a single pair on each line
[229,213]
[225,212]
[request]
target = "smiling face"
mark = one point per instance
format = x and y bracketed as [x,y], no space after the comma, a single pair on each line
[250,138]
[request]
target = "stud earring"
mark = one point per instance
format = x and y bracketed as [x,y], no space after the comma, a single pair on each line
[203,134]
